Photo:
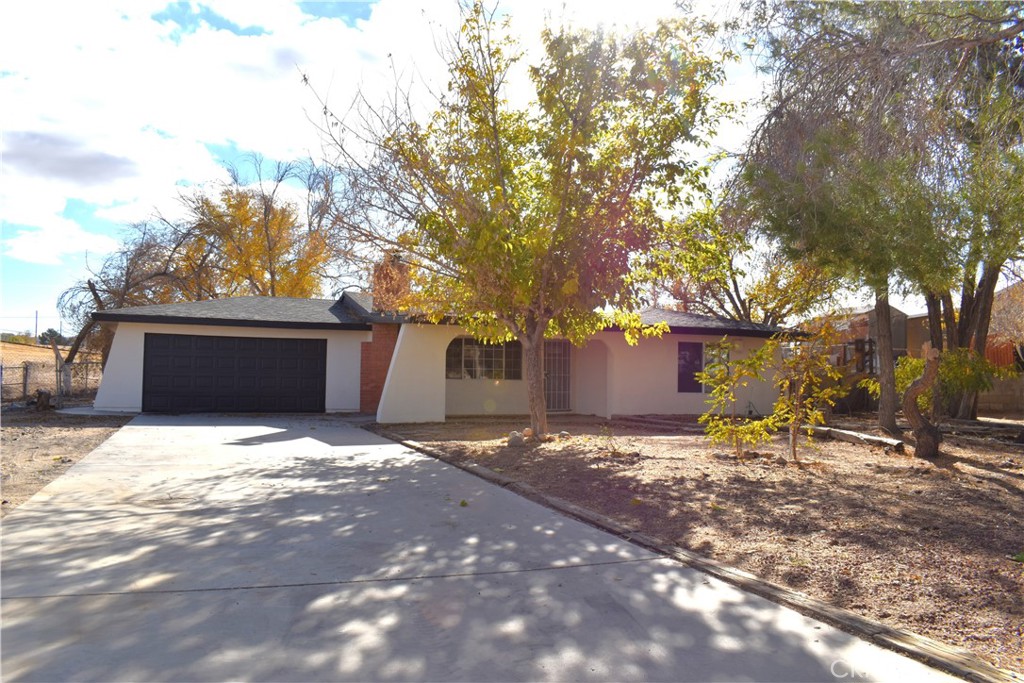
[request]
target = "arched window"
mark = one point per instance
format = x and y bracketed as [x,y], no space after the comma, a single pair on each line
[467,358]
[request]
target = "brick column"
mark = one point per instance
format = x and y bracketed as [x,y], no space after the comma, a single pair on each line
[375,359]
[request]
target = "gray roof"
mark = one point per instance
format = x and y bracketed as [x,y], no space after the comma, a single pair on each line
[355,311]
[246,311]
[704,324]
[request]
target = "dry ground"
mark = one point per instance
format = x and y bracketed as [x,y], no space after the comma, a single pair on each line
[924,546]
[37,447]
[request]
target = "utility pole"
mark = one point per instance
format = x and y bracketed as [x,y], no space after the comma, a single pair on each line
[37,327]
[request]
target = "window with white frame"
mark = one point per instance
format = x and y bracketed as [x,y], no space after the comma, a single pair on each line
[468,358]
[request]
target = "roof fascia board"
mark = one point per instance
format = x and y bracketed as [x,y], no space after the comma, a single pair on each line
[226,322]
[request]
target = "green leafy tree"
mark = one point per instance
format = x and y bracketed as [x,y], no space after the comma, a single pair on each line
[960,370]
[891,129]
[533,221]
[953,373]
[54,335]
[993,237]
[725,377]
[801,368]
[729,270]
[809,383]
[834,209]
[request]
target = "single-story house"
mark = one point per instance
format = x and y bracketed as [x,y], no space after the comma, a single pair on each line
[250,354]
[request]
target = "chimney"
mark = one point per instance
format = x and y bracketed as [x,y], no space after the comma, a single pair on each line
[390,283]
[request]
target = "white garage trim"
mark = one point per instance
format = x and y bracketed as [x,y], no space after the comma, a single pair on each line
[121,387]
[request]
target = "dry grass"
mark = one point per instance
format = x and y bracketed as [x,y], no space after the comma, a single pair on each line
[37,447]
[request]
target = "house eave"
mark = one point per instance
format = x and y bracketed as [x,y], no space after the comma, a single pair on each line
[719,332]
[105,317]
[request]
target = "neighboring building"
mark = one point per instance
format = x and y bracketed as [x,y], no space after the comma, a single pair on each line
[856,351]
[862,325]
[917,333]
[300,355]
[1005,343]
[1005,347]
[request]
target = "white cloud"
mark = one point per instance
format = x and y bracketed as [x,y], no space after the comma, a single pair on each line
[130,103]
[54,238]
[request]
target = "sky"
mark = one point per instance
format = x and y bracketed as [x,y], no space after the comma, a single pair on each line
[111,109]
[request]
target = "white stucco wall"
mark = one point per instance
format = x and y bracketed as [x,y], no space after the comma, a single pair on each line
[485,397]
[642,379]
[609,377]
[414,390]
[121,386]
[590,369]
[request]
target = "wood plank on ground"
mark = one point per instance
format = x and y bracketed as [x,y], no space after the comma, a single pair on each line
[856,437]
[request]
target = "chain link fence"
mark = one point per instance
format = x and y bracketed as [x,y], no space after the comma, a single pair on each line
[27,370]
[22,381]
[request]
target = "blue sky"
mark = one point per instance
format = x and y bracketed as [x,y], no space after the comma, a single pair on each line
[111,108]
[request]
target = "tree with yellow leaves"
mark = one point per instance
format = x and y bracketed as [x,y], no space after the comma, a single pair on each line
[260,245]
[241,240]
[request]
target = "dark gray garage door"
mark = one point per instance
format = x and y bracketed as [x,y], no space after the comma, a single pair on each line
[184,373]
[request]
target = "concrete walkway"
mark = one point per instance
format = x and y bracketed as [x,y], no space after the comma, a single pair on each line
[305,549]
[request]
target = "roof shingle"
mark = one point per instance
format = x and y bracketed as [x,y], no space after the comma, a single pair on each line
[355,311]
[702,324]
[245,311]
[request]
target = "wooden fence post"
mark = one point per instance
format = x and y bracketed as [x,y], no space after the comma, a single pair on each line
[24,380]
[60,373]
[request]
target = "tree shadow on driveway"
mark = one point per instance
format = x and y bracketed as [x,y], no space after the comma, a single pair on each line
[198,549]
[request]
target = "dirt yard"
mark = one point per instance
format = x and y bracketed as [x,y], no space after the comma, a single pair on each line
[925,546]
[37,447]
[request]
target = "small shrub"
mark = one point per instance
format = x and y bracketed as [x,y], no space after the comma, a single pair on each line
[808,384]
[721,422]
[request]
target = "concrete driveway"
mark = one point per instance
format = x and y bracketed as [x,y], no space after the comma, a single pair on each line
[305,549]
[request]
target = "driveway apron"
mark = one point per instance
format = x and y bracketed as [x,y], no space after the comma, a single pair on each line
[266,548]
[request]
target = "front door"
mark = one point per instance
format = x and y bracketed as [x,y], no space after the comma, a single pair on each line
[556,374]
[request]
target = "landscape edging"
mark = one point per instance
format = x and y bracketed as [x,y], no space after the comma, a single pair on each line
[939,655]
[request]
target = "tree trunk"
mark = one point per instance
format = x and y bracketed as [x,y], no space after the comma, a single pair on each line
[533,365]
[79,338]
[927,436]
[977,333]
[952,402]
[949,321]
[886,366]
[794,437]
[934,304]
